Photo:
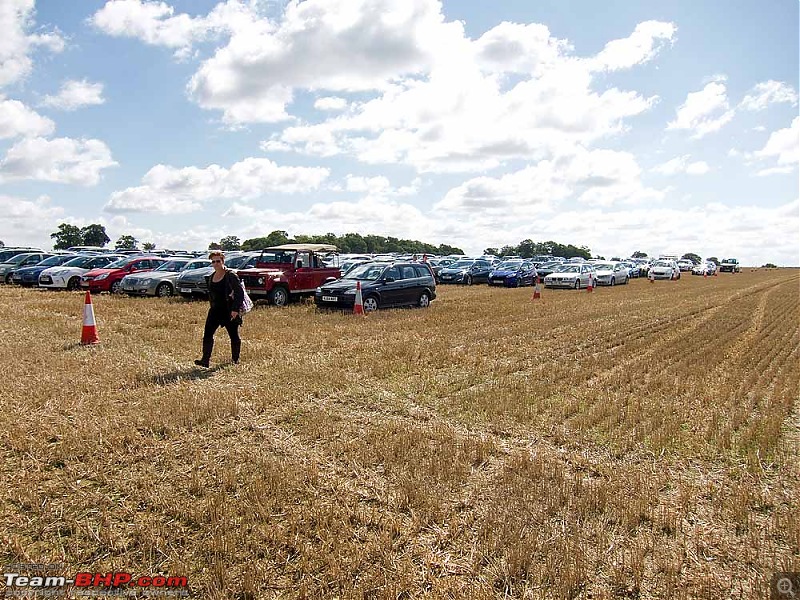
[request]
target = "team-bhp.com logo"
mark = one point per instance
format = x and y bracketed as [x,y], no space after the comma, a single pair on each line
[88,584]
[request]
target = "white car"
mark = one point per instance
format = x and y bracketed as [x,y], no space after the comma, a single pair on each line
[570,275]
[611,273]
[68,275]
[664,269]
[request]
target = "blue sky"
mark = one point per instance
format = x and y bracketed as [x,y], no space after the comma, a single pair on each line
[664,127]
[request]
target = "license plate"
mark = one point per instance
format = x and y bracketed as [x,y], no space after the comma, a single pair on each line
[330,299]
[186,291]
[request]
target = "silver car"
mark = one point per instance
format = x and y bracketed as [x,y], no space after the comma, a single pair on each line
[27,259]
[664,269]
[160,281]
[611,273]
[571,275]
[191,283]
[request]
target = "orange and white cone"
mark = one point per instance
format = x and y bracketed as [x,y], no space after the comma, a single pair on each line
[358,306]
[89,332]
[705,274]
[590,287]
[537,290]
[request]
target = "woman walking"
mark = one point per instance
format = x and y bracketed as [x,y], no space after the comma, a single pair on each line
[226,295]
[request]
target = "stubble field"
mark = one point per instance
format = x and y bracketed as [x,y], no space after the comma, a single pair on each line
[636,442]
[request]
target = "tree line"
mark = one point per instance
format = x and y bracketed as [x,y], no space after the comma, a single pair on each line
[349,243]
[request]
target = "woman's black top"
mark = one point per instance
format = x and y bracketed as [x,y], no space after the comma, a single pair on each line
[216,293]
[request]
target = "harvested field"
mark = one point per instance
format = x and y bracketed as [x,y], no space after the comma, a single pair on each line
[636,442]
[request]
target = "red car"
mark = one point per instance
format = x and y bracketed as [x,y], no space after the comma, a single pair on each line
[109,278]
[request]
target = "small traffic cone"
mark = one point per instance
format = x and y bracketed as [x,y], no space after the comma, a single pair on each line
[590,287]
[650,276]
[705,274]
[537,290]
[358,306]
[89,332]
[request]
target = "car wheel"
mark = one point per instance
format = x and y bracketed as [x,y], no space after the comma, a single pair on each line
[424,300]
[164,290]
[8,279]
[613,282]
[468,279]
[279,296]
[578,284]
[371,303]
[73,284]
[116,287]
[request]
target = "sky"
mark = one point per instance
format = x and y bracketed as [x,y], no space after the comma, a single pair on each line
[622,125]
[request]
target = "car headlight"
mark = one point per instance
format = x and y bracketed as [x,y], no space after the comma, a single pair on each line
[318,290]
[350,292]
[145,281]
[99,277]
[260,281]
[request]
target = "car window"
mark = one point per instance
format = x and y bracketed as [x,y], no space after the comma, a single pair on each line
[422,271]
[409,272]
[393,272]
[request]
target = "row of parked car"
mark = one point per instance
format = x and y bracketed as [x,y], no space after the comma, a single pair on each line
[282,273]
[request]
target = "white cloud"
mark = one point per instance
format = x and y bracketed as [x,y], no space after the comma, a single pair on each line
[594,178]
[76,94]
[768,92]
[352,45]
[25,221]
[783,145]
[17,119]
[156,24]
[705,111]
[62,160]
[330,103]
[681,164]
[169,190]
[641,46]
[16,43]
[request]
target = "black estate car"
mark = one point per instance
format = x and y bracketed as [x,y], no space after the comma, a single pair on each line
[383,284]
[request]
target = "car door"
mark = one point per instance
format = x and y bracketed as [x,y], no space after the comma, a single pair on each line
[409,284]
[392,287]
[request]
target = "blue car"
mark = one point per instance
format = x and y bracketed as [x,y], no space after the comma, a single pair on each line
[29,276]
[513,273]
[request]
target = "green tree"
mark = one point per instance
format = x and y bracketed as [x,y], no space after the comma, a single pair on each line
[94,235]
[148,246]
[693,257]
[638,254]
[714,259]
[126,242]
[66,237]
[770,266]
[2,244]
[277,237]
[230,242]
[214,246]
[616,258]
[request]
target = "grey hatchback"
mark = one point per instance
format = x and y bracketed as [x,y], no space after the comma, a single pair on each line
[383,285]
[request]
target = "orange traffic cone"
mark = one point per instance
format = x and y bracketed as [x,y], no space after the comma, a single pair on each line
[89,333]
[705,274]
[590,287]
[358,306]
[537,290]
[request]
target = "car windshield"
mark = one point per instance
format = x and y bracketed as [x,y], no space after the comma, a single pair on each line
[173,266]
[461,264]
[119,264]
[196,264]
[568,269]
[277,257]
[15,260]
[662,263]
[509,265]
[366,272]
[603,267]
[55,260]
[79,261]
